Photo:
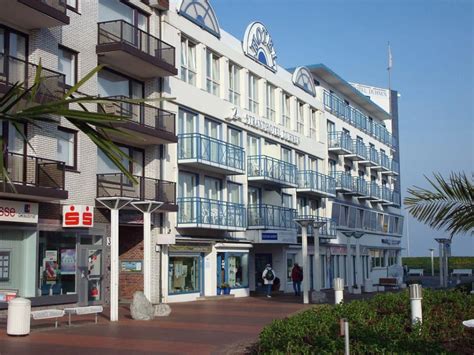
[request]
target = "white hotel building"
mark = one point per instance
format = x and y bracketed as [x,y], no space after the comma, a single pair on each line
[242,148]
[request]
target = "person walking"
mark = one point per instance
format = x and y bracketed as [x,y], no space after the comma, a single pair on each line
[297,277]
[268,277]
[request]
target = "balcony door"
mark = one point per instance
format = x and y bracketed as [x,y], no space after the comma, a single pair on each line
[211,213]
[186,126]
[187,192]
[13,56]
[211,149]
[253,201]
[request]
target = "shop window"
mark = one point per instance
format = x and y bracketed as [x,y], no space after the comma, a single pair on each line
[290,262]
[184,274]
[4,266]
[234,269]
[57,263]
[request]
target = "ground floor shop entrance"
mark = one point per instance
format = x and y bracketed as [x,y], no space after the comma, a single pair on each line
[261,261]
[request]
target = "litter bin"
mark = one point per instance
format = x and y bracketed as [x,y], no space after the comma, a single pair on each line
[19,313]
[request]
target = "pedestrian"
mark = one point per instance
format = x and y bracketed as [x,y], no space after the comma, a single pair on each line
[268,277]
[297,277]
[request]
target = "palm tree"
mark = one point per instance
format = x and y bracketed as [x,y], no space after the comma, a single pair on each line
[449,206]
[19,106]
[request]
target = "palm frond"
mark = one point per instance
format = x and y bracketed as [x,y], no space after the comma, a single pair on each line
[449,205]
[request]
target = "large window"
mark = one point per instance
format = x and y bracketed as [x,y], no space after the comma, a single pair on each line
[300,118]
[184,274]
[377,258]
[234,84]
[285,110]
[111,10]
[66,146]
[271,112]
[67,64]
[234,269]
[188,61]
[253,93]
[212,73]
[135,166]
[290,262]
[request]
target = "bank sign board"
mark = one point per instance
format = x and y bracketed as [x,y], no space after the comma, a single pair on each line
[18,211]
[75,216]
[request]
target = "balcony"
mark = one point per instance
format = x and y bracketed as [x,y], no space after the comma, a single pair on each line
[268,170]
[33,178]
[344,182]
[316,184]
[130,50]
[360,187]
[387,195]
[385,163]
[196,212]
[359,151]
[340,143]
[395,168]
[396,199]
[147,189]
[375,193]
[148,125]
[34,14]
[263,216]
[14,70]
[212,154]
[372,158]
[329,230]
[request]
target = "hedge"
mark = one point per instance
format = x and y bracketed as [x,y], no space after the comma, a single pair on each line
[454,262]
[379,325]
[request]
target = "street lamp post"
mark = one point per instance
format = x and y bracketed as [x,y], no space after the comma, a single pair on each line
[358,270]
[304,223]
[432,261]
[349,272]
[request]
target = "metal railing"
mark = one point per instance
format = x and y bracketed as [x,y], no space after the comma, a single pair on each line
[396,198]
[339,108]
[308,179]
[373,155]
[340,140]
[120,31]
[385,161]
[34,171]
[207,149]
[395,167]
[119,185]
[204,211]
[142,114]
[14,70]
[344,181]
[269,217]
[327,230]
[374,191]
[360,186]
[271,168]
[387,194]
[359,148]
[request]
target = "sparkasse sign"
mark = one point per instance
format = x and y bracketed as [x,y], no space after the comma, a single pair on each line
[78,216]
[18,211]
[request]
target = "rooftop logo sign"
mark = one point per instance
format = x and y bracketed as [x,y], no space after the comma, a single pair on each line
[258,45]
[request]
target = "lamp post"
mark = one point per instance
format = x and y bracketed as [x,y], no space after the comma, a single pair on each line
[349,272]
[304,222]
[432,261]
[317,224]
[358,269]
[443,261]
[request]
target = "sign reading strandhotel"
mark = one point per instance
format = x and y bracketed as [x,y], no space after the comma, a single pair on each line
[18,211]
[263,125]
[258,45]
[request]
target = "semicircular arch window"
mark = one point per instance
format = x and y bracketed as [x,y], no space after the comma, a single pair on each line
[303,78]
[202,14]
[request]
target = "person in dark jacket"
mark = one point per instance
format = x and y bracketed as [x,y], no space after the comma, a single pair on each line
[297,277]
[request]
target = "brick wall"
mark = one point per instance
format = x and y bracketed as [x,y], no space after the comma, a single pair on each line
[131,248]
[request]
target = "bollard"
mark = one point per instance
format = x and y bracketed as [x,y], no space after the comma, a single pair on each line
[344,332]
[415,303]
[338,290]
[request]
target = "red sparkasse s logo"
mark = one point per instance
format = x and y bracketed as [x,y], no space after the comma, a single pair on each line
[78,216]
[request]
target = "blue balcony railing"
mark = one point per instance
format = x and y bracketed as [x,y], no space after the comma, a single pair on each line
[385,161]
[211,213]
[395,167]
[328,230]
[263,216]
[387,194]
[359,148]
[396,199]
[360,186]
[341,109]
[374,191]
[314,181]
[340,140]
[373,156]
[268,168]
[343,181]
[206,149]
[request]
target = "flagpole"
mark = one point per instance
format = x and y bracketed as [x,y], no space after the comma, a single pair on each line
[389,68]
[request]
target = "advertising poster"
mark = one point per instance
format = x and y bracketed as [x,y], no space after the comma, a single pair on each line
[50,265]
[68,261]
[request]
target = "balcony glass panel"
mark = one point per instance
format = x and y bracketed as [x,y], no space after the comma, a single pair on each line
[271,168]
[340,140]
[308,179]
[360,186]
[395,167]
[374,190]
[385,161]
[373,155]
[359,148]
[269,217]
[196,210]
[344,181]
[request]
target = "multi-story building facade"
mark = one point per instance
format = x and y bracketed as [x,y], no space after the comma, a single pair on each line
[242,148]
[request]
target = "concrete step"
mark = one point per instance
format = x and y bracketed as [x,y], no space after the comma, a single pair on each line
[215,298]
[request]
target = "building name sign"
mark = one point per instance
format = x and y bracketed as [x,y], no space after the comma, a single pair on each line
[263,125]
[390,241]
[78,216]
[258,45]
[371,90]
[18,211]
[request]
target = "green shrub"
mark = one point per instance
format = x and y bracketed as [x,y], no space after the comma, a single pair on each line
[381,324]
[454,262]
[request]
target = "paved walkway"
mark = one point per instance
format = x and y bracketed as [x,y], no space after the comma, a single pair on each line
[203,327]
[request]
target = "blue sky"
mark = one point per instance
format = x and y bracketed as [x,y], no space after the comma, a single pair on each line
[433,69]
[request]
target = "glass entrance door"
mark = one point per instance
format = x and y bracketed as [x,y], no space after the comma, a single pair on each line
[90,275]
[261,260]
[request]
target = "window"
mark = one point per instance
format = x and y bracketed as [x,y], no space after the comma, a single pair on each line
[392,257]
[271,113]
[332,167]
[331,127]
[300,118]
[300,161]
[313,164]
[188,61]
[113,10]
[66,147]
[301,205]
[253,146]
[286,155]
[286,200]
[5,266]
[234,192]
[290,262]
[72,4]
[253,93]
[285,110]
[187,184]
[234,269]
[212,73]
[234,84]
[377,258]
[313,124]
[234,136]
[135,166]
[184,274]
[212,188]
[67,65]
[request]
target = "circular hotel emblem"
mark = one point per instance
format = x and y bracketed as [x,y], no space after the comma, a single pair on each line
[258,45]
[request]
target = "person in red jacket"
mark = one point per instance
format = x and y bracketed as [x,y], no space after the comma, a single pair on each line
[297,277]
